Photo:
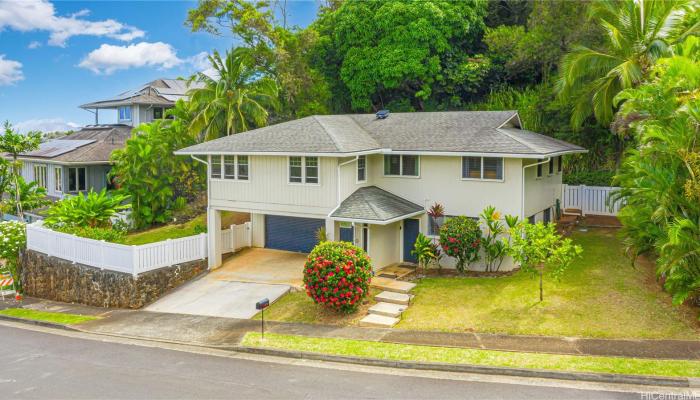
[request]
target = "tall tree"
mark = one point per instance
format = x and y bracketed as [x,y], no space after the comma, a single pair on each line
[234,100]
[638,32]
[14,143]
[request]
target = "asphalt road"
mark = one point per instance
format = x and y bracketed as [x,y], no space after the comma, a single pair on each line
[41,365]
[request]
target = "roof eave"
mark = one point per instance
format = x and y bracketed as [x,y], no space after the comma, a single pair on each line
[380,151]
[375,221]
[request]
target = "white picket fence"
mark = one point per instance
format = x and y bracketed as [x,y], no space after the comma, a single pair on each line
[589,199]
[130,259]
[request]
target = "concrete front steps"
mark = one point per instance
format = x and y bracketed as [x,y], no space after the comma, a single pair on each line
[391,303]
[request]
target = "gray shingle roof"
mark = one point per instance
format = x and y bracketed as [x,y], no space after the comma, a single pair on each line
[450,131]
[371,203]
[158,92]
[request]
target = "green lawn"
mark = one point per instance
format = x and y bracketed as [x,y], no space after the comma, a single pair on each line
[391,351]
[174,231]
[59,318]
[601,295]
[298,307]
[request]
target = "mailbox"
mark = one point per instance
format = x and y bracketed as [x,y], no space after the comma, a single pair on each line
[262,304]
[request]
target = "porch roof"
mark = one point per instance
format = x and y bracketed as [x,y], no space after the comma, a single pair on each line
[373,205]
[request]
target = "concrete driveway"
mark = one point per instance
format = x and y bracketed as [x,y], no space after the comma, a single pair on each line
[232,290]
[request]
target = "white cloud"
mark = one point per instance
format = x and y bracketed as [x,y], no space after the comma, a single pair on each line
[10,71]
[46,125]
[201,63]
[40,15]
[108,58]
[34,45]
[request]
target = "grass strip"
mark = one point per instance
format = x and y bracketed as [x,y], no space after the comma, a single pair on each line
[401,352]
[45,316]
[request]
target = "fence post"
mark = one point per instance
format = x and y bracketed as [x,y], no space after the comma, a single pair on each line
[203,237]
[102,254]
[134,260]
[233,238]
[169,257]
[248,234]
[583,197]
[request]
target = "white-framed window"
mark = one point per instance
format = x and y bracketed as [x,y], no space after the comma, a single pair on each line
[77,179]
[559,166]
[230,167]
[539,168]
[58,179]
[401,165]
[551,166]
[482,168]
[303,169]
[362,168]
[125,113]
[41,176]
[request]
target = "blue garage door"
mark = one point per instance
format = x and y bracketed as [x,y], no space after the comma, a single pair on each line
[291,233]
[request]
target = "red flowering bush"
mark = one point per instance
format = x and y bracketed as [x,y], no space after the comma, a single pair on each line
[337,275]
[460,237]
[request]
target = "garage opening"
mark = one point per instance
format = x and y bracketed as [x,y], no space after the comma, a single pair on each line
[292,233]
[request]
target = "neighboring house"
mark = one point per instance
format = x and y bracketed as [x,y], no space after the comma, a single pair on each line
[80,161]
[145,104]
[370,179]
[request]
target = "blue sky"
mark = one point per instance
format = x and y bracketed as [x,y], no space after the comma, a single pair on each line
[55,56]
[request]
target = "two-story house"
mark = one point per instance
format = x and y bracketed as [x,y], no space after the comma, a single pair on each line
[370,179]
[80,161]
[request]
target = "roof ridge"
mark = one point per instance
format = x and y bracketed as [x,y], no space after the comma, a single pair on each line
[328,133]
[332,134]
[503,131]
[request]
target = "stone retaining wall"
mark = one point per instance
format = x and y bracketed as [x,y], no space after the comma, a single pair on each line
[60,280]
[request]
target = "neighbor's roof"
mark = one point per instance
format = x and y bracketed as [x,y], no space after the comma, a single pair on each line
[373,204]
[464,132]
[159,92]
[92,144]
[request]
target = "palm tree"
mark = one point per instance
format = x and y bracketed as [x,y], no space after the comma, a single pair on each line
[638,32]
[237,98]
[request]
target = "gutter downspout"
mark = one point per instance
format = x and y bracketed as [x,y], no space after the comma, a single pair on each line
[522,188]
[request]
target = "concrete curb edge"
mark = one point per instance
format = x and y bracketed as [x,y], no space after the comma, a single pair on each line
[39,323]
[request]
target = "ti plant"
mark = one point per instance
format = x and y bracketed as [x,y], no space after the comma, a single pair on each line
[425,251]
[495,247]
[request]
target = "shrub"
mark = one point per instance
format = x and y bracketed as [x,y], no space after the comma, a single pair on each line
[589,178]
[495,247]
[95,209]
[107,234]
[337,275]
[425,251]
[460,237]
[13,239]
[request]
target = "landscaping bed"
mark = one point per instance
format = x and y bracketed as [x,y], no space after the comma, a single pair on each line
[172,231]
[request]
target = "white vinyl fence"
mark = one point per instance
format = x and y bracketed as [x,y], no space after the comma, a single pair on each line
[589,199]
[129,259]
[236,237]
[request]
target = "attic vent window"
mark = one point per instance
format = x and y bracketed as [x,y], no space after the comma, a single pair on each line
[382,114]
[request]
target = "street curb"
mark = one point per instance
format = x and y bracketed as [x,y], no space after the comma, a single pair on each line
[38,323]
[474,369]
[643,380]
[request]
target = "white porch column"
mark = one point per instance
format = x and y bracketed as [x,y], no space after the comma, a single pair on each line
[214,230]
[330,229]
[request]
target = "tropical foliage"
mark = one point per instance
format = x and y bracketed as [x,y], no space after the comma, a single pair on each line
[538,247]
[157,181]
[31,196]
[425,251]
[637,33]
[460,237]
[93,210]
[660,179]
[13,239]
[14,143]
[232,101]
[337,275]
[494,243]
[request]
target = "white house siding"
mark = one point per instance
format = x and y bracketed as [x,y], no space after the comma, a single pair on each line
[384,244]
[96,176]
[540,193]
[268,191]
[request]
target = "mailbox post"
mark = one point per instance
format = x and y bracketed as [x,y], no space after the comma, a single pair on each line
[262,305]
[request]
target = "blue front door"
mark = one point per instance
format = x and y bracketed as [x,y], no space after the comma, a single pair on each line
[410,233]
[292,233]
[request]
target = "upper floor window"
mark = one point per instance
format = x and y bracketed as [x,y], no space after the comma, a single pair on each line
[216,167]
[41,176]
[158,112]
[77,179]
[559,166]
[551,165]
[487,168]
[539,168]
[125,113]
[401,165]
[236,167]
[303,169]
[58,179]
[361,168]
